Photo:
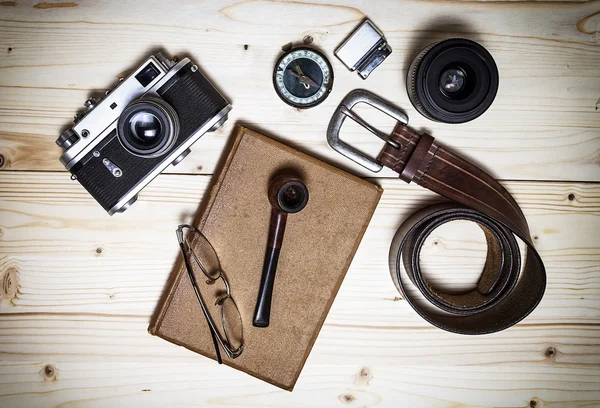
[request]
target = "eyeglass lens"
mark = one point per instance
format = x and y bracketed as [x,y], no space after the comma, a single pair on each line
[232,323]
[222,308]
[202,256]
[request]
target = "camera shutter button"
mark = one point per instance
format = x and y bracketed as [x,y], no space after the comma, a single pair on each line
[90,104]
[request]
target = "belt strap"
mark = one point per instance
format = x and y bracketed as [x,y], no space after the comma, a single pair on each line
[505,294]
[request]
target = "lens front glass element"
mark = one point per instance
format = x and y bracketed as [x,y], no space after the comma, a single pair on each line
[452,80]
[146,128]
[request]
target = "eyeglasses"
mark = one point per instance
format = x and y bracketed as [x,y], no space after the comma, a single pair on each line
[202,264]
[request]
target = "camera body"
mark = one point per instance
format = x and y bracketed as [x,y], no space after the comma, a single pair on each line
[149,121]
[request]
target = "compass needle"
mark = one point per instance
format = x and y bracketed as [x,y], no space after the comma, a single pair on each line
[311,82]
[304,80]
[298,69]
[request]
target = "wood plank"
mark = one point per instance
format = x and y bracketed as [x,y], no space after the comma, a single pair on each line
[84,285]
[56,237]
[193,383]
[79,336]
[77,287]
[543,125]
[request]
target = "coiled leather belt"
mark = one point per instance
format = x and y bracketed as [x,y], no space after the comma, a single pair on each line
[506,293]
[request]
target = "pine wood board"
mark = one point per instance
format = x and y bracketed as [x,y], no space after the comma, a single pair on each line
[78,287]
[85,284]
[185,384]
[544,124]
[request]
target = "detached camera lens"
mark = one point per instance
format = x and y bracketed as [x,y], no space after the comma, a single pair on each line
[452,81]
[148,127]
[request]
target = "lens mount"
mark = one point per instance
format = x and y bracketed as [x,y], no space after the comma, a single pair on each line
[452,81]
[148,127]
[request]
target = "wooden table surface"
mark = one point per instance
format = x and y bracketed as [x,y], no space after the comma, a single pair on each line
[78,287]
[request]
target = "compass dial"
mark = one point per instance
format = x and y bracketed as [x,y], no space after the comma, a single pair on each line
[303,77]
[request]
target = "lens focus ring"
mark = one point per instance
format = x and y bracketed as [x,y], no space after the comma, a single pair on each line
[412,79]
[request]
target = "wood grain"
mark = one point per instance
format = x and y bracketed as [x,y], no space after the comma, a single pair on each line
[77,287]
[544,123]
[84,286]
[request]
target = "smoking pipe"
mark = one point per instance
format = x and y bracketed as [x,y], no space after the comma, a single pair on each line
[287,195]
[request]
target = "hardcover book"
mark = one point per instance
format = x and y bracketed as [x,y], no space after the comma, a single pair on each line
[318,247]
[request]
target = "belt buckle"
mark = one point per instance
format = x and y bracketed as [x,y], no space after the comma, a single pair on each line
[345,110]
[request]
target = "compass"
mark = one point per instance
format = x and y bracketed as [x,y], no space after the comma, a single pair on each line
[303,77]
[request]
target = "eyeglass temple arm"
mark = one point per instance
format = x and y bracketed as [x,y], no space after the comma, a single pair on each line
[202,306]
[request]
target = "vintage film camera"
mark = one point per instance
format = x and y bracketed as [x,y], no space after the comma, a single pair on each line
[149,121]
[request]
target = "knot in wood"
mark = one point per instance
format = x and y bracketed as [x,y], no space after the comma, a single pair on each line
[9,284]
[347,398]
[49,372]
[550,352]
[363,376]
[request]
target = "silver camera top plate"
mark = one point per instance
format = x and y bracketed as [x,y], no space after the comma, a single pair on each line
[99,119]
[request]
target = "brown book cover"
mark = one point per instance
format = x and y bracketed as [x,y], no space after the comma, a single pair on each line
[318,247]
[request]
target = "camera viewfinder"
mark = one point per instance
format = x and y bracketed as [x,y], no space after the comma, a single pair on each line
[146,75]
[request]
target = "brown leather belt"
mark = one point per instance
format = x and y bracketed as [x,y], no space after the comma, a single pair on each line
[505,294]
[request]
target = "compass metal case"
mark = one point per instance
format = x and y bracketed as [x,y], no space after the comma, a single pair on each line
[303,77]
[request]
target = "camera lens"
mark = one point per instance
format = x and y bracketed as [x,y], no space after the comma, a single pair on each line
[148,127]
[145,127]
[452,81]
